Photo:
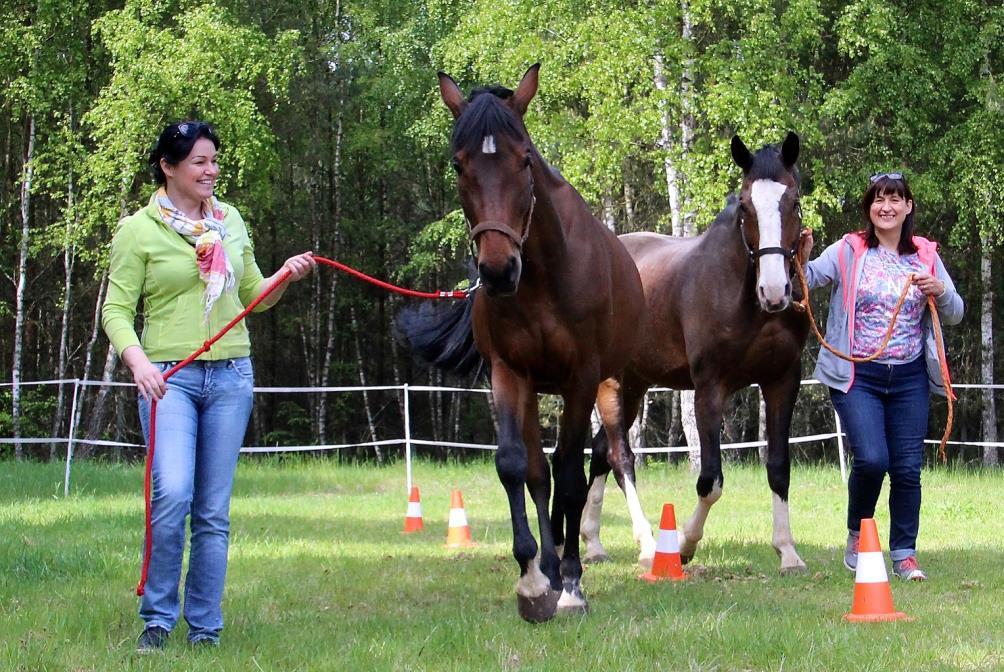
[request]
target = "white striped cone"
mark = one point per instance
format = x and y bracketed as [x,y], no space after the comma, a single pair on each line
[872,593]
[459,533]
[666,565]
[413,518]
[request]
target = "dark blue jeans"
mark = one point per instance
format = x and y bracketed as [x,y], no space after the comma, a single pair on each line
[884,415]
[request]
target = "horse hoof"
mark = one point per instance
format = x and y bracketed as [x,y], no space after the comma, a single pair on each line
[573,603]
[538,609]
[574,610]
[595,559]
[794,570]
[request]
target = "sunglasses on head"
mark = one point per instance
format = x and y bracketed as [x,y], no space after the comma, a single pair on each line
[890,176]
[190,129]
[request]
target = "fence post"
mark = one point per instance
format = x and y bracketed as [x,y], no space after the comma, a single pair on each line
[840,448]
[407,436]
[69,441]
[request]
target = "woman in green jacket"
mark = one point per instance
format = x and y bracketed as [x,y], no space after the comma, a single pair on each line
[188,257]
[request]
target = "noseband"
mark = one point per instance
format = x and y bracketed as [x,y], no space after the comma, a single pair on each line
[505,229]
[763,251]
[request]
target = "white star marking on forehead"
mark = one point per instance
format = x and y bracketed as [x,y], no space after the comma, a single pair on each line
[488,144]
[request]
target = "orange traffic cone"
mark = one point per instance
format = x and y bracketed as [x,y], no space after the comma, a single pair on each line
[872,593]
[413,517]
[666,565]
[459,533]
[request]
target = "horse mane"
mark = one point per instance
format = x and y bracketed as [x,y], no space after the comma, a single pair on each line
[485,115]
[768,165]
[729,215]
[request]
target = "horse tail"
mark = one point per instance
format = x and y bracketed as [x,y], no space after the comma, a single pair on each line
[441,335]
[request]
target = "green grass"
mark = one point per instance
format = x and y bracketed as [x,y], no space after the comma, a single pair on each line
[321,578]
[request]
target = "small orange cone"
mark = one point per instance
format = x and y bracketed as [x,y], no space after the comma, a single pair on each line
[666,565]
[413,518]
[459,533]
[872,593]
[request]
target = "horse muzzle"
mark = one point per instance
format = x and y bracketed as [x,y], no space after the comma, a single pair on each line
[501,281]
[774,302]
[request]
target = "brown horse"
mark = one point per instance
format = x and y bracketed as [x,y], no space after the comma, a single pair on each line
[557,311]
[717,319]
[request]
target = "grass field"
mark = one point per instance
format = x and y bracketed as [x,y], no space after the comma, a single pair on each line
[322,579]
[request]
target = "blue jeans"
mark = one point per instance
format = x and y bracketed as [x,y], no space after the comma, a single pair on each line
[884,415]
[200,427]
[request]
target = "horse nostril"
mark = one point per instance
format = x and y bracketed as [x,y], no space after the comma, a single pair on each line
[511,267]
[787,289]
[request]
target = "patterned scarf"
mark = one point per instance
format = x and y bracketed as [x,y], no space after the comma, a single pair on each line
[207,235]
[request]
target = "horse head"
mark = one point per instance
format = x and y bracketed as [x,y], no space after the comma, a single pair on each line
[770,218]
[493,157]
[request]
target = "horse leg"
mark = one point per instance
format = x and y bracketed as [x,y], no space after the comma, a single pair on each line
[570,488]
[779,399]
[708,404]
[538,481]
[619,404]
[589,526]
[536,593]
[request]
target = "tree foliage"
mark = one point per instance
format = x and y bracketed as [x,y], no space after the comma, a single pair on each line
[334,138]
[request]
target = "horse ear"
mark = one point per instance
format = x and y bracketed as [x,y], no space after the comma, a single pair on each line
[740,154]
[789,150]
[451,94]
[527,89]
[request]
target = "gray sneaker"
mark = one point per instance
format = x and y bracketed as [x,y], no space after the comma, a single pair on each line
[908,569]
[851,550]
[152,639]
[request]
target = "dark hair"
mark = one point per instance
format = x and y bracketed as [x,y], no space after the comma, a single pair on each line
[175,144]
[893,183]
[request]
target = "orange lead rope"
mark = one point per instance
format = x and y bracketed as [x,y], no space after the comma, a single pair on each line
[148,473]
[939,339]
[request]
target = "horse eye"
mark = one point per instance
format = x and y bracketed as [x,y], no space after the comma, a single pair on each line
[456,166]
[526,161]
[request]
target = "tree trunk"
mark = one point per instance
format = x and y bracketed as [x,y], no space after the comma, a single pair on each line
[19,298]
[97,421]
[89,353]
[665,143]
[689,421]
[990,453]
[628,204]
[609,219]
[762,427]
[435,407]
[675,421]
[396,372]
[687,109]
[69,257]
[636,434]
[329,347]
[362,381]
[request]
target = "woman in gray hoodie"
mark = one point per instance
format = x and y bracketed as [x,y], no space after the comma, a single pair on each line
[883,404]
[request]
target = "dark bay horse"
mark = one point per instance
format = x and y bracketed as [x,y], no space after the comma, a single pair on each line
[719,317]
[557,312]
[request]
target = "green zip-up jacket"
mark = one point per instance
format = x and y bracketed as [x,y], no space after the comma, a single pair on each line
[152,262]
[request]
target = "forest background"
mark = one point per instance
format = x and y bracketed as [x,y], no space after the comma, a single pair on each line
[334,139]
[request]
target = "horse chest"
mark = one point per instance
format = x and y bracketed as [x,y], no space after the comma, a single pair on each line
[543,347]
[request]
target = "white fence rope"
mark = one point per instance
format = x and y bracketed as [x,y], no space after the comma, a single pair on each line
[408,441]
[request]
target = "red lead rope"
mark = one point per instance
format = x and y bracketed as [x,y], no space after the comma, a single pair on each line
[147,479]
